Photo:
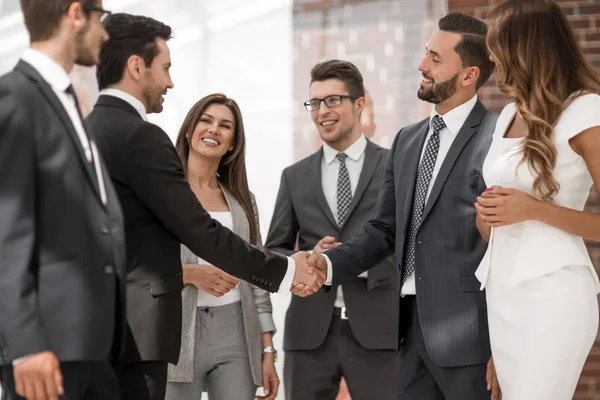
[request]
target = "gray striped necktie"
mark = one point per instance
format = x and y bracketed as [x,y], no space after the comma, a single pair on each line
[344,191]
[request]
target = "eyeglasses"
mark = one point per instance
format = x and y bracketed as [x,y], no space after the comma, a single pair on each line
[330,101]
[105,13]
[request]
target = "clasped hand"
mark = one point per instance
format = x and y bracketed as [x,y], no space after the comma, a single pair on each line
[311,270]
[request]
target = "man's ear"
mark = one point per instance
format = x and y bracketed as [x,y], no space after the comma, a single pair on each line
[76,15]
[471,76]
[135,67]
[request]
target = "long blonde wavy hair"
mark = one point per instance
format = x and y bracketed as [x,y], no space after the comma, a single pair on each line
[542,66]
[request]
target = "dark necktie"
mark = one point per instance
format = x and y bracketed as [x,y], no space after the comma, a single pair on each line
[424,174]
[344,191]
[71,92]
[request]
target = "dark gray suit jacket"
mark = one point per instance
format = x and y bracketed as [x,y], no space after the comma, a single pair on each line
[62,251]
[302,213]
[452,309]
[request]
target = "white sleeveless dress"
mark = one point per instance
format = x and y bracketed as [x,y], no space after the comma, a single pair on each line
[540,283]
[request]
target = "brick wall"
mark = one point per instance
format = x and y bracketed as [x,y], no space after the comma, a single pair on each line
[584,16]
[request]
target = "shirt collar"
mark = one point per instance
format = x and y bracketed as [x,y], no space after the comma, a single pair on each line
[49,69]
[354,152]
[135,103]
[456,117]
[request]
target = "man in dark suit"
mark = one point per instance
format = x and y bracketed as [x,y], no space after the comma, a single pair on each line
[62,249]
[425,215]
[351,332]
[160,209]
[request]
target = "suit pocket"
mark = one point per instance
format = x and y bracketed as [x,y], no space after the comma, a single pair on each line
[166,284]
[470,283]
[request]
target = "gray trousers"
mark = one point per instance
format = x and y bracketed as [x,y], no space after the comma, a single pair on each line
[421,379]
[316,374]
[221,364]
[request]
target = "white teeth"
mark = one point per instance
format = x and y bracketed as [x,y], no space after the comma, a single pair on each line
[212,141]
[327,123]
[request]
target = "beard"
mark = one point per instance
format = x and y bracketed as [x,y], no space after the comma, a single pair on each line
[84,54]
[153,98]
[439,92]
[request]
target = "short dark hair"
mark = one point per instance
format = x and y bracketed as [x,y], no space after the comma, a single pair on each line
[344,71]
[42,17]
[129,35]
[472,48]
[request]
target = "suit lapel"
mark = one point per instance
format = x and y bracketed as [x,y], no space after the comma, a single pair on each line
[58,107]
[462,138]
[372,159]
[238,216]
[414,148]
[314,169]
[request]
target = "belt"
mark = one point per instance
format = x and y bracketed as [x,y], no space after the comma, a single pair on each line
[340,312]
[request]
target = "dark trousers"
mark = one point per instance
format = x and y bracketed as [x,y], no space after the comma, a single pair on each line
[143,380]
[81,381]
[316,374]
[421,379]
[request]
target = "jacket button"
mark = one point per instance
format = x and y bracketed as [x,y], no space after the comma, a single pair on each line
[109,269]
[104,230]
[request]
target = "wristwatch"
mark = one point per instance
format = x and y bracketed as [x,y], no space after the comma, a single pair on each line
[270,349]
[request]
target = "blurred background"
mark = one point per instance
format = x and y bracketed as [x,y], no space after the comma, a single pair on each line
[260,52]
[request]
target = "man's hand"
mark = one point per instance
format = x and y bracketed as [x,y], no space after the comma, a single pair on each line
[38,377]
[317,266]
[327,243]
[209,279]
[492,381]
[309,277]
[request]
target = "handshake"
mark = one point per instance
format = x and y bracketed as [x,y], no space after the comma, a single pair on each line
[311,268]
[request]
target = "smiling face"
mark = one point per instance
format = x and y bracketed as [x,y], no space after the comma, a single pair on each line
[440,68]
[157,78]
[214,134]
[337,125]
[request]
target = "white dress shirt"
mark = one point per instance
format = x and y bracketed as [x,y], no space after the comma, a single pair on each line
[330,167]
[288,278]
[454,120]
[135,103]
[59,81]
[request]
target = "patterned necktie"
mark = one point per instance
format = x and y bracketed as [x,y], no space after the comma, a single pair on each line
[344,192]
[424,174]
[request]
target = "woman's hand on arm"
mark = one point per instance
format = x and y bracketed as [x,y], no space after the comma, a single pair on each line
[209,279]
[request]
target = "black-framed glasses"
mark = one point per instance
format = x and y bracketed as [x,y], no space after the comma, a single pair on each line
[330,101]
[89,8]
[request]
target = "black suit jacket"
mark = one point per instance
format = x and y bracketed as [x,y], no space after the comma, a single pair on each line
[302,212]
[62,252]
[452,309]
[161,211]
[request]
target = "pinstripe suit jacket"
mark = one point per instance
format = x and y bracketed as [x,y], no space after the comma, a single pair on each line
[452,309]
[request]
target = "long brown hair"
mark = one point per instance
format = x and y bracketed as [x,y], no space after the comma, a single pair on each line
[542,66]
[232,168]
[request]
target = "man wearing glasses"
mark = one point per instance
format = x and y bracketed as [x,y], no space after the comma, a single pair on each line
[62,253]
[324,199]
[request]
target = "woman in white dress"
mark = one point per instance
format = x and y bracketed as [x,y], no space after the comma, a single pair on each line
[540,284]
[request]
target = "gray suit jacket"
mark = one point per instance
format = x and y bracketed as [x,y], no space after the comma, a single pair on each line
[256,308]
[452,309]
[302,213]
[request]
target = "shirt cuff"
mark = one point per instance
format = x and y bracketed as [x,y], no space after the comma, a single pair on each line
[288,278]
[329,280]
[19,360]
